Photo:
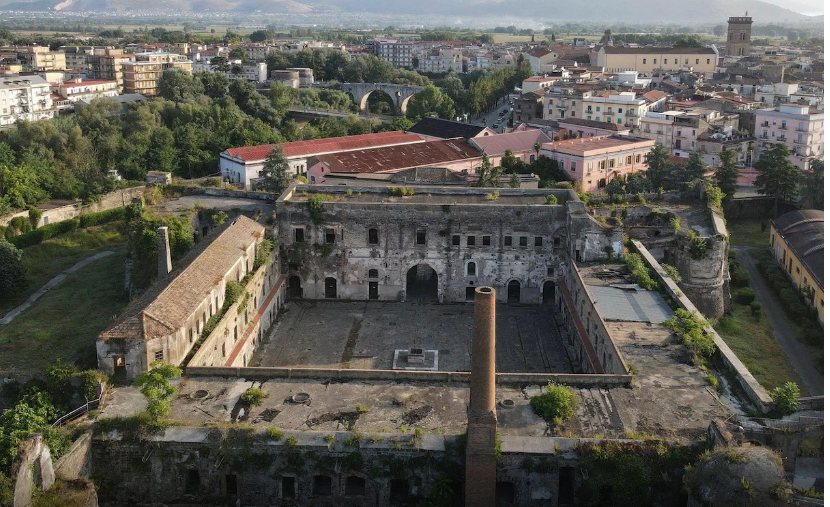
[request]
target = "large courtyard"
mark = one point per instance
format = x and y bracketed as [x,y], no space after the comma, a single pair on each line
[365,335]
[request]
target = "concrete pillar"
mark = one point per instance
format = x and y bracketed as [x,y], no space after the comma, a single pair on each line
[165,264]
[480,468]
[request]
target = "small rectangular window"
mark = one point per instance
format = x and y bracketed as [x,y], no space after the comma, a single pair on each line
[456,239]
[421,237]
[373,236]
[628,160]
[522,240]
[537,241]
[573,166]
[508,241]
[556,242]
[299,235]
[485,240]
[159,355]
[551,270]
[330,235]
[471,241]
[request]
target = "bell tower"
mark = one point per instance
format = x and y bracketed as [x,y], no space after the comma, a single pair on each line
[737,35]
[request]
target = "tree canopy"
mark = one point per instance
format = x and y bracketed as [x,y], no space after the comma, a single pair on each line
[777,177]
[430,101]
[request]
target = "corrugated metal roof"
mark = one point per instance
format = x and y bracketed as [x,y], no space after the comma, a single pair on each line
[619,303]
[326,145]
[803,230]
[517,142]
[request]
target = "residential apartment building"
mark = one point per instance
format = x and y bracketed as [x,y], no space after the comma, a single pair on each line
[25,98]
[800,127]
[679,130]
[108,66]
[711,144]
[398,53]
[775,93]
[541,60]
[257,52]
[534,83]
[87,91]
[561,102]
[439,60]
[40,59]
[256,72]
[142,75]
[797,243]
[650,59]
[622,108]
[594,161]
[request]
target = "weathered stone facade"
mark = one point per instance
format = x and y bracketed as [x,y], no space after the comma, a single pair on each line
[703,279]
[439,246]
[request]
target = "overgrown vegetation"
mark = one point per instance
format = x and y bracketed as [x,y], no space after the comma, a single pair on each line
[254,396]
[556,404]
[692,332]
[639,271]
[786,398]
[156,387]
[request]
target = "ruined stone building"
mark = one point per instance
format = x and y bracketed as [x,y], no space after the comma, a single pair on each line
[168,319]
[436,245]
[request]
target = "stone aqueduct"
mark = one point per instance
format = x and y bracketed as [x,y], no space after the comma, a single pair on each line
[400,94]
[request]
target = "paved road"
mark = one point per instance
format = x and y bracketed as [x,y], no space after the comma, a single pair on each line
[795,351]
[491,117]
[51,283]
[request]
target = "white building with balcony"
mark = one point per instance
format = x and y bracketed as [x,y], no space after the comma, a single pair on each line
[800,127]
[622,108]
[25,98]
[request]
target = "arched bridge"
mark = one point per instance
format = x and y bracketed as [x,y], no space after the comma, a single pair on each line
[400,94]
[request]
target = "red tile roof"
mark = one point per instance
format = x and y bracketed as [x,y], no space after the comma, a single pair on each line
[654,95]
[326,145]
[399,157]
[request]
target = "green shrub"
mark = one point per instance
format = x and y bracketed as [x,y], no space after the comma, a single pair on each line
[639,271]
[755,308]
[556,404]
[744,296]
[672,272]
[551,199]
[45,232]
[692,332]
[292,440]
[698,247]
[212,182]
[102,217]
[34,216]
[563,184]
[401,191]
[786,397]
[639,199]
[740,277]
[254,396]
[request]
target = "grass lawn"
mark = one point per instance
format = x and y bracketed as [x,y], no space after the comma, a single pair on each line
[755,345]
[66,320]
[747,232]
[54,255]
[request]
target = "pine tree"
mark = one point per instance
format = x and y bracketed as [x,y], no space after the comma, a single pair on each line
[726,175]
[275,170]
[812,187]
[777,176]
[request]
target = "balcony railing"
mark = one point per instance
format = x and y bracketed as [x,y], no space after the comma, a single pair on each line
[783,127]
[632,114]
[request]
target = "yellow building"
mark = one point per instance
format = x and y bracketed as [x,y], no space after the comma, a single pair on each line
[797,242]
[649,59]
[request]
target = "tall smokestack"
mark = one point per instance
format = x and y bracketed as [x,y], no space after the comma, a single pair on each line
[165,264]
[480,468]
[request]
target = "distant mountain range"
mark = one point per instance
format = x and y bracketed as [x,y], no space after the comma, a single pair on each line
[673,11]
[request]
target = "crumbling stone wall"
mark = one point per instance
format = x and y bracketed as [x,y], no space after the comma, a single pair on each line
[703,279]
[466,245]
[31,469]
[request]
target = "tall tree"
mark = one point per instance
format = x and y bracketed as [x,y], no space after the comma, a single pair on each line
[658,171]
[777,176]
[156,387]
[488,176]
[812,186]
[177,85]
[430,101]
[726,175]
[275,170]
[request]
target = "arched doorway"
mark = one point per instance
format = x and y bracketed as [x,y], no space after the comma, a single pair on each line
[548,292]
[422,284]
[295,287]
[514,291]
[331,288]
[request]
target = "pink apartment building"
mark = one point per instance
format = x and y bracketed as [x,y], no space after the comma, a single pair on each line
[596,160]
[800,127]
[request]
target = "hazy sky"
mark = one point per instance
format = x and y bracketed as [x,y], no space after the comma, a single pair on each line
[809,7]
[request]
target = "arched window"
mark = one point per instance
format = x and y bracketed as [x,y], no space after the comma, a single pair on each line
[471,268]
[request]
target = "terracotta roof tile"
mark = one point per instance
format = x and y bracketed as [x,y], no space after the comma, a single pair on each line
[399,157]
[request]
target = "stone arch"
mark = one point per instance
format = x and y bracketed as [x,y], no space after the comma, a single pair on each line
[405,103]
[364,100]
[422,283]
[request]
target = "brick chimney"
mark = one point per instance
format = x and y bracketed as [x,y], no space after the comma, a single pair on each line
[480,468]
[165,264]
